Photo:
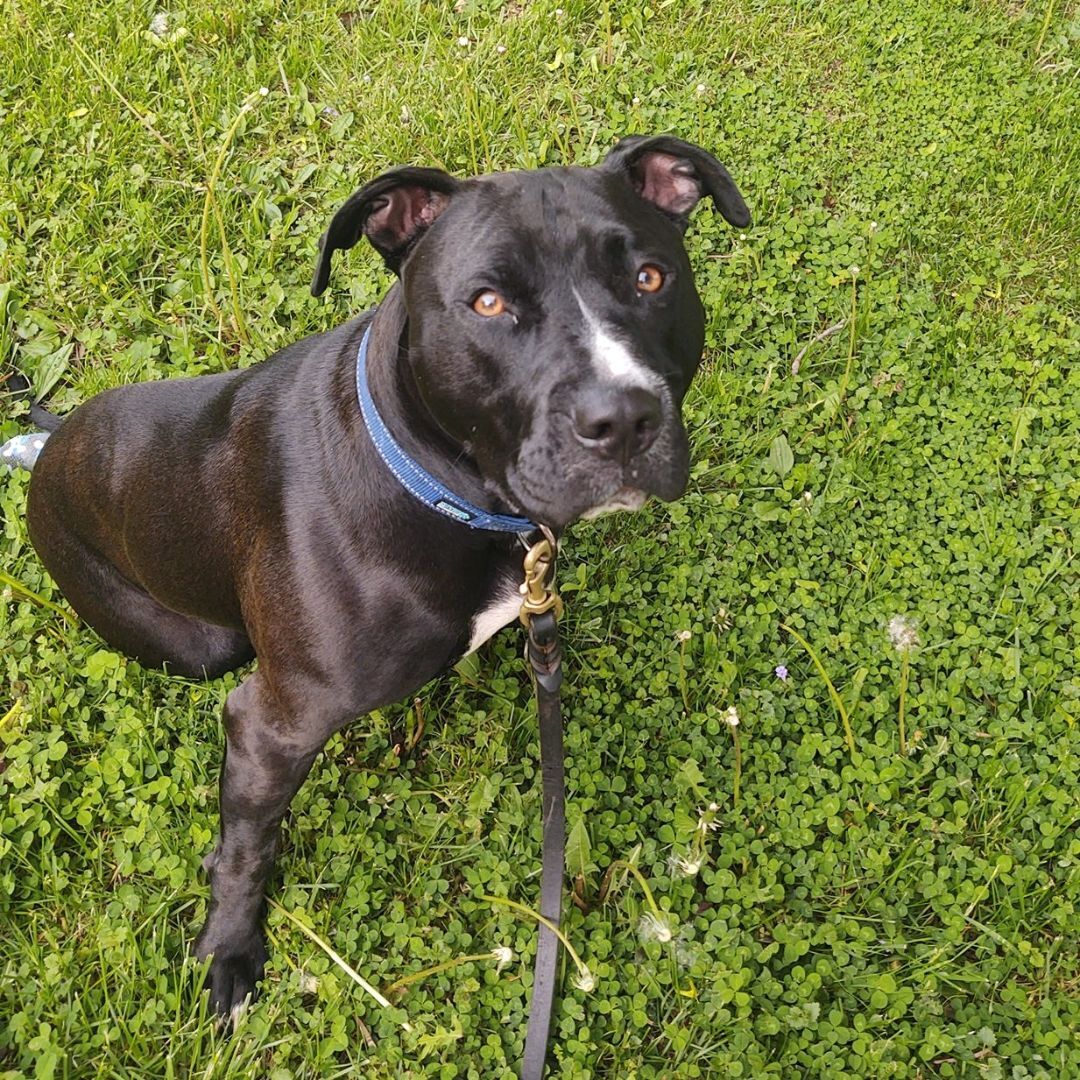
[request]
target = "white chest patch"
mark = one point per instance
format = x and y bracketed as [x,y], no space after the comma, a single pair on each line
[487,622]
[611,358]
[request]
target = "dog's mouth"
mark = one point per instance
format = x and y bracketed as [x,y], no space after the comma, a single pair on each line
[589,493]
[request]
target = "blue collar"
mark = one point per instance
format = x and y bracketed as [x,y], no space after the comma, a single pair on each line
[416,480]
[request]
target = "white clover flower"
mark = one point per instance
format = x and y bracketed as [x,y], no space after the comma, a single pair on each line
[500,49]
[504,954]
[683,635]
[700,89]
[903,633]
[463,42]
[585,980]
[853,271]
[731,718]
[159,24]
[650,928]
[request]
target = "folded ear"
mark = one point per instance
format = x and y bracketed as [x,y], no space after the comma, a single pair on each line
[392,212]
[674,175]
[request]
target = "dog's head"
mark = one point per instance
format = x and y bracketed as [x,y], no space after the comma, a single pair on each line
[554,325]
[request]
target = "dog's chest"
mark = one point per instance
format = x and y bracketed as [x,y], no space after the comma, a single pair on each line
[499,610]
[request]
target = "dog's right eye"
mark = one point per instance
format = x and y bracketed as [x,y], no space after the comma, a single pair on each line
[489,304]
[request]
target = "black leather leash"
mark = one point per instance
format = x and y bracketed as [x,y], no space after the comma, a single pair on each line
[539,613]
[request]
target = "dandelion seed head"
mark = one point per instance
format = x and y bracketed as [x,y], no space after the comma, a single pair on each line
[903,633]
[684,866]
[686,955]
[651,928]
[707,819]
[162,31]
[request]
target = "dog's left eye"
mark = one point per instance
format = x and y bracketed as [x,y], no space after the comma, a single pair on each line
[489,304]
[650,278]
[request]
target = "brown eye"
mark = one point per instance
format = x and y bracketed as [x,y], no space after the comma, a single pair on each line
[489,304]
[649,278]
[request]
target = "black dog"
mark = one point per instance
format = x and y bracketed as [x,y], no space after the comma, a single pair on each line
[528,367]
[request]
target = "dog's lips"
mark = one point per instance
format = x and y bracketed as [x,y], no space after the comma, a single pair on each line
[626,498]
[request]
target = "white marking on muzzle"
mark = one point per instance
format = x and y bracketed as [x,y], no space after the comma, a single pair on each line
[611,357]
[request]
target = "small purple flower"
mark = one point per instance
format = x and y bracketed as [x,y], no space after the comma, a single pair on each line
[781,673]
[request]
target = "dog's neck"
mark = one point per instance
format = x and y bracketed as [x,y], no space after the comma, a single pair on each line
[402,408]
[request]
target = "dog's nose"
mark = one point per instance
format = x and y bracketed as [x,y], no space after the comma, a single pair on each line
[618,424]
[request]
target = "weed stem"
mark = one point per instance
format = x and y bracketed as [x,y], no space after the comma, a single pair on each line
[583,968]
[341,963]
[836,700]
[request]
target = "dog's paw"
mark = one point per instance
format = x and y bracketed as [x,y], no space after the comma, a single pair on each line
[233,976]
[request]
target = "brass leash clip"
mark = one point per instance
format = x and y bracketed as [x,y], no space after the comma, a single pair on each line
[538,590]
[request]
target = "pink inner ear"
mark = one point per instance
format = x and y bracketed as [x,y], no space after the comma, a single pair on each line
[667,181]
[403,213]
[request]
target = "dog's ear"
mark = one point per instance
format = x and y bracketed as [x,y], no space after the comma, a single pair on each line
[674,175]
[392,211]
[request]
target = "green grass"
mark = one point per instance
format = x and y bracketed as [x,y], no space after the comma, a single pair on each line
[858,912]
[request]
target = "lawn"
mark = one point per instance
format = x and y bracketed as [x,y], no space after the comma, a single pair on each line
[875,873]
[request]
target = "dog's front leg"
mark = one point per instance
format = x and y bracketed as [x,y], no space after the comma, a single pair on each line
[267,756]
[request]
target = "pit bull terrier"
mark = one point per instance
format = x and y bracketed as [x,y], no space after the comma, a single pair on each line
[348,511]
